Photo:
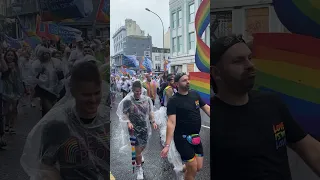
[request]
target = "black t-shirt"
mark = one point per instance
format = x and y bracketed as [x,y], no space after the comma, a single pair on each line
[187,111]
[249,142]
[60,145]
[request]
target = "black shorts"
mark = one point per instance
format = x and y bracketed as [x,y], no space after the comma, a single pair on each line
[187,151]
[44,94]
[140,132]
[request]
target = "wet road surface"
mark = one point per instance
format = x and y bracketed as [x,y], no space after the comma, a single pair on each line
[155,168]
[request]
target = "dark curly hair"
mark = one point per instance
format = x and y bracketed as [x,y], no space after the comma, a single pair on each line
[15,60]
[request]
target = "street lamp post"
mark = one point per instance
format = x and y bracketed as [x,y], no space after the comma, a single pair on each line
[162,33]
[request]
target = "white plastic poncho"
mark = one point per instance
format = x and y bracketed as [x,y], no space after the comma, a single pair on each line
[44,74]
[138,113]
[173,155]
[60,146]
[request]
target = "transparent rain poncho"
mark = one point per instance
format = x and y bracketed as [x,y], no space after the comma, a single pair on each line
[60,146]
[44,74]
[138,113]
[173,155]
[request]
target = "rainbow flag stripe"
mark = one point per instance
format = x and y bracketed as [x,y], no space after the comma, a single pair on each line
[200,82]
[202,20]
[103,11]
[292,72]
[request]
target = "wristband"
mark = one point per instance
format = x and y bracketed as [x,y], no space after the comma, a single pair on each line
[166,145]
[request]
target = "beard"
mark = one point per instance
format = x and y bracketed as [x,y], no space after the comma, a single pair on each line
[184,88]
[244,86]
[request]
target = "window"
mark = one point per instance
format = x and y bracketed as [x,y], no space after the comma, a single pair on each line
[147,53]
[157,58]
[180,18]
[174,45]
[179,43]
[158,66]
[191,13]
[174,20]
[191,41]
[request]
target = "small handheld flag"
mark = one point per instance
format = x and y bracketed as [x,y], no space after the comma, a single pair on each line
[133,140]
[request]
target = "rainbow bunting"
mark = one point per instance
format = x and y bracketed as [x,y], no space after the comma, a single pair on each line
[133,140]
[296,81]
[202,20]
[200,82]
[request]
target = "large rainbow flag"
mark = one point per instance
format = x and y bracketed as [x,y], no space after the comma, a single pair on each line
[289,64]
[103,14]
[299,16]
[202,20]
[200,82]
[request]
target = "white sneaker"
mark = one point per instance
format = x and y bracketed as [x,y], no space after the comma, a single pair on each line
[142,159]
[139,173]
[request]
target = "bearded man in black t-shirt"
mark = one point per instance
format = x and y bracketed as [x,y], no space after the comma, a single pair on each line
[184,124]
[250,130]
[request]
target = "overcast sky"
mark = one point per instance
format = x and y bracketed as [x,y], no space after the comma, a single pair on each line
[135,10]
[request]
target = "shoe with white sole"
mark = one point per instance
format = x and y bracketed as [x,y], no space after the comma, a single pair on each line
[142,159]
[139,173]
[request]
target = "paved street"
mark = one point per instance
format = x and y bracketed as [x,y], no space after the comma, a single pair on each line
[10,168]
[155,168]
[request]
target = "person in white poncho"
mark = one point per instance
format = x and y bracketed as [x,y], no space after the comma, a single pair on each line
[135,112]
[47,75]
[81,148]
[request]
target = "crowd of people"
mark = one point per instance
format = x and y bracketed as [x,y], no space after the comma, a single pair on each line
[70,83]
[178,118]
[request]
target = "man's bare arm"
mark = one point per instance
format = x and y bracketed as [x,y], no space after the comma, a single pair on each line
[309,150]
[171,125]
[206,109]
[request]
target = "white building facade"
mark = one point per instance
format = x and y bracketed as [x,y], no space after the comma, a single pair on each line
[157,58]
[183,35]
[244,17]
[131,40]
[131,28]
